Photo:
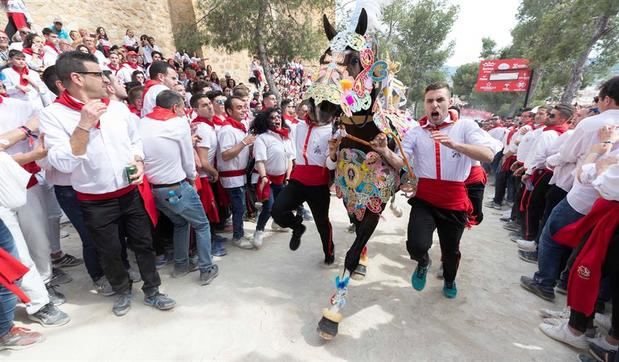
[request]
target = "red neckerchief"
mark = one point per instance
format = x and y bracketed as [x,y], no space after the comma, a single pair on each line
[29,51]
[511,133]
[150,83]
[23,71]
[1,98]
[133,66]
[53,46]
[134,110]
[308,121]
[66,100]
[284,132]
[161,114]
[423,122]
[218,121]
[290,119]
[113,67]
[199,119]
[236,124]
[559,128]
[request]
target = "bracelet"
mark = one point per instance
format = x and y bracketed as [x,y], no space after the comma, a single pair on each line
[26,130]
[261,177]
[83,128]
[608,142]
[243,142]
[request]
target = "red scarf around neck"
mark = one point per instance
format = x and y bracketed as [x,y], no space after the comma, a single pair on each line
[284,132]
[29,51]
[218,121]
[133,66]
[134,110]
[113,67]
[423,122]
[559,128]
[148,85]
[199,119]
[23,71]
[236,124]
[66,100]
[53,46]
[161,114]
[290,119]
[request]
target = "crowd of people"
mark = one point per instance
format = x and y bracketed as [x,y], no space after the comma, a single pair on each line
[154,159]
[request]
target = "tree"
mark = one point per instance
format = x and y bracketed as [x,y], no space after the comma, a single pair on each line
[488,48]
[415,37]
[270,29]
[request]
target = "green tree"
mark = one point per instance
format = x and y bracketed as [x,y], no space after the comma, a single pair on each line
[270,29]
[415,37]
[488,48]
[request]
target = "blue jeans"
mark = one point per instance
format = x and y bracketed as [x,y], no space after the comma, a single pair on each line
[7,298]
[237,198]
[265,213]
[187,211]
[67,199]
[552,255]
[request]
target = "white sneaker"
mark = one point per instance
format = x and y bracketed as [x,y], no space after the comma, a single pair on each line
[603,343]
[550,313]
[553,321]
[243,242]
[563,334]
[278,229]
[257,240]
[602,321]
[526,245]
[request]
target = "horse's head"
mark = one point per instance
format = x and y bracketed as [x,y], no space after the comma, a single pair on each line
[345,79]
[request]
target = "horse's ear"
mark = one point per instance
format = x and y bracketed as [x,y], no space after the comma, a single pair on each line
[329,29]
[362,24]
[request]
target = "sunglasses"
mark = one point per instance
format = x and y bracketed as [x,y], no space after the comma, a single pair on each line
[96,74]
[220,101]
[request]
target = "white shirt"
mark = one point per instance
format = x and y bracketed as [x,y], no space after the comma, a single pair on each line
[498,133]
[451,165]
[581,197]
[563,172]
[130,42]
[526,143]
[150,98]
[530,141]
[607,184]
[50,56]
[228,137]
[208,135]
[110,149]
[12,80]
[275,151]
[15,113]
[125,72]
[168,150]
[312,145]
[100,57]
[541,151]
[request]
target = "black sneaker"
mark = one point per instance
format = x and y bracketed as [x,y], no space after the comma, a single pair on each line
[50,316]
[67,261]
[55,297]
[528,256]
[59,277]
[602,354]
[159,301]
[295,240]
[532,286]
[207,276]
[122,304]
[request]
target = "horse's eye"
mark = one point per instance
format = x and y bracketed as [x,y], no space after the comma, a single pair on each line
[354,61]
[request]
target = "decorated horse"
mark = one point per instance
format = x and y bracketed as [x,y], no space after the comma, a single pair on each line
[348,91]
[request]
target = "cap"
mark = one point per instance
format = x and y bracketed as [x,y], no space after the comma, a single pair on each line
[131,52]
[57,20]
[227,75]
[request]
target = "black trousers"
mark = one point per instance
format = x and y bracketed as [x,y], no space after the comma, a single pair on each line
[163,234]
[103,219]
[535,210]
[476,195]
[424,219]
[500,186]
[579,320]
[363,230]
[318,199]
[519,192]
[554,195]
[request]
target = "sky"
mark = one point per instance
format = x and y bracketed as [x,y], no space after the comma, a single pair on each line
[476,19]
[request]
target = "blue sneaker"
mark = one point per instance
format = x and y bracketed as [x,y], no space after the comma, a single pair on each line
[449,290]
[419,277]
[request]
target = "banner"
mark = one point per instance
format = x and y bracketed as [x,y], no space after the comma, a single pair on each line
[503,75]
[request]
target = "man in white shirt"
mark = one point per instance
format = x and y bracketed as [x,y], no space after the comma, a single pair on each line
[170,167]
[232,160]
[51,47]
[97,142]
[162,77]
[444,149]
[580,199]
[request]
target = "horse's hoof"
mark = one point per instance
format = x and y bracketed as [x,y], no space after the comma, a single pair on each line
[327,329]
[359,272]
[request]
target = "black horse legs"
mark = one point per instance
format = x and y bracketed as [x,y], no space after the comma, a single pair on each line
[364,230]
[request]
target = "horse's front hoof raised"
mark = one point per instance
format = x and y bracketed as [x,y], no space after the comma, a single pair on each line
[327,328]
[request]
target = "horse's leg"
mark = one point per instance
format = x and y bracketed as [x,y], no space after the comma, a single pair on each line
[331,316]
[356,258]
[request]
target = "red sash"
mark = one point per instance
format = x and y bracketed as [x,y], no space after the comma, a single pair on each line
[477,175]
[207,197]
[509,161]
[310,175]
[585,275]
[449,195]
[11,270]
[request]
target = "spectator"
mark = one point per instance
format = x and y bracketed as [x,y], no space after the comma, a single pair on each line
[59,30]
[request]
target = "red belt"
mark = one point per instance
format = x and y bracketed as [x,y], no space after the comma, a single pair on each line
[232,173]
[106,196]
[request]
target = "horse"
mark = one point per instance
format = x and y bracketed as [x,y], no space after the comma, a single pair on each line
[345,93]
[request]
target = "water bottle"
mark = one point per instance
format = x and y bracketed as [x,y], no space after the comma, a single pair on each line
[173,198]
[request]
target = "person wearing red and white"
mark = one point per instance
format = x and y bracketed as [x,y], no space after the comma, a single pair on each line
[51,48]
[316,155]
[538,175]
[130,66]
[273,153]
[97,142]
[162,77]
[170,167]
[444,148]
[23,83]
[232,159]
[114,66]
